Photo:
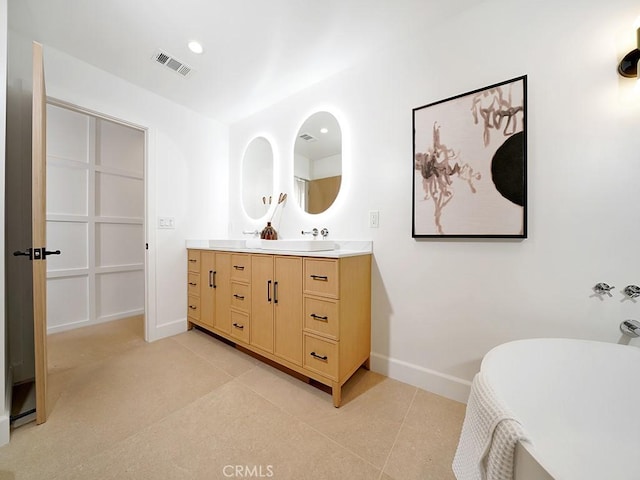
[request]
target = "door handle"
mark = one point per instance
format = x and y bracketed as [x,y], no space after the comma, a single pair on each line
[36,253]
[27,253]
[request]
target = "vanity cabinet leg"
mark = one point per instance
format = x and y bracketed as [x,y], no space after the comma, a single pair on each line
[367,364]
[189,325]
[336,393]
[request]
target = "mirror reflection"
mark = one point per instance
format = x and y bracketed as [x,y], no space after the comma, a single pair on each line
[318,162]
[257,177]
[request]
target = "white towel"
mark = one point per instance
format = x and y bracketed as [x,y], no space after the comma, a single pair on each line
[488,439]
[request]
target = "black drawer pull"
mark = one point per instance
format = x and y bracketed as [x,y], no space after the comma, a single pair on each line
[322,278]
[319,317]
[192,307]
[193,260]
[238,326]
[238,267]
[319,357]
[239,297]
[193,284]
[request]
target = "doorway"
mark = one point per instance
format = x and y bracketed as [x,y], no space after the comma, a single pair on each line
[95,215]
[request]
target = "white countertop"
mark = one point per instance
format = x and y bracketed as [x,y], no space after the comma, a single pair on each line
[344,248]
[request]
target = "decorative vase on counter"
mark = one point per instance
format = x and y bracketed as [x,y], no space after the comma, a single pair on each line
[269,233]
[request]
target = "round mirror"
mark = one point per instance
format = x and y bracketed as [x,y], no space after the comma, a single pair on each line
[257,177]
[317,162]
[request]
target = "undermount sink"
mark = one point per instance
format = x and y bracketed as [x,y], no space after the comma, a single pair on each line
[293,245]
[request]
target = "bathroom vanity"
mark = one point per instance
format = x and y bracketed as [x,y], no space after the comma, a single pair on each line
[309,311]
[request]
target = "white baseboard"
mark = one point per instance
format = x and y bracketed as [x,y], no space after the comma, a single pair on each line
[440,383]
[157,332]
[103,319]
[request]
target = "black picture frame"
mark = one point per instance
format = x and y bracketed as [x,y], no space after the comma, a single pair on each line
[470,164]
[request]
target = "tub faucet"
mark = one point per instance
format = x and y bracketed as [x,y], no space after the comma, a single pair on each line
[313,232]
[630,328]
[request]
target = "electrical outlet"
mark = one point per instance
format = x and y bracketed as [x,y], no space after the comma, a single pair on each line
[374,219]
[166,222]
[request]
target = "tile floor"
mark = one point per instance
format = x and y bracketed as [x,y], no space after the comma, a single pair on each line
[192,407]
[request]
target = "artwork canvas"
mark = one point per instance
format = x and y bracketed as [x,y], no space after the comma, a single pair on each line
[470,163]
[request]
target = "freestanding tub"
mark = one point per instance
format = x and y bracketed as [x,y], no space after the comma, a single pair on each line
[578,402]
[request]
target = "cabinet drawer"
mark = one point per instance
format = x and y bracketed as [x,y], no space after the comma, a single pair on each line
[321,356]
[321,277]
[194,260]
[321,316]
[240,268]
[193,287]
[240,326]
[240,296]
[193,308]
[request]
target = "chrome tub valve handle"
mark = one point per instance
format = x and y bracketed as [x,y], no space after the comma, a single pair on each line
[602,288]
[632,291]
[313,232]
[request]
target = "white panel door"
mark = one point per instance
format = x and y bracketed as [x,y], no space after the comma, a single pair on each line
[95,214]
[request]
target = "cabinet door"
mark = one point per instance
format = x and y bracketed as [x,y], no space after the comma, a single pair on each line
[207,293]
[262,284]
[288,309]
[222,288]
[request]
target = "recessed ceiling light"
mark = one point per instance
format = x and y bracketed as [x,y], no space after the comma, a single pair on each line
[196,47]
[324,130]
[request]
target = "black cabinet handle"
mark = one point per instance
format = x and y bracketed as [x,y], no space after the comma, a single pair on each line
[269,291]
[319,357]
[238,267]
[213,284]
[275,292]
[239,297]
[192,260]
[322,278]
[192,307]
[193,284]
[319,317]
[238,326]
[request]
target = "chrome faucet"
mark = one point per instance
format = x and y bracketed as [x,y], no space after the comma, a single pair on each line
[313,232]
[630,328]
[254,232]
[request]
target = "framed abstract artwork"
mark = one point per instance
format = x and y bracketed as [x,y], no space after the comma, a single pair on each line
[470,164]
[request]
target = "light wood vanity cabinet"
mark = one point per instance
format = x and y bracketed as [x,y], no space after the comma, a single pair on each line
[309,314]
[276,309]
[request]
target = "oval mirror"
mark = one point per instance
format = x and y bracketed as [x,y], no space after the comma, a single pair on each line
[317,166]
[257,177]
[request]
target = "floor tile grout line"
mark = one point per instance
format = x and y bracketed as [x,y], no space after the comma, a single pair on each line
[199,355]
[137,433]
[332,440]
[395,441]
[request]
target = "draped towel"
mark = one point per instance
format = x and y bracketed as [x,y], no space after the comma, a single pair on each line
[489,437]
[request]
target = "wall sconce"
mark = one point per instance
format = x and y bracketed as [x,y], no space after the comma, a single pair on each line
[628,67]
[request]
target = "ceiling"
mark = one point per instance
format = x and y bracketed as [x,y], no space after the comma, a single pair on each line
[257,52]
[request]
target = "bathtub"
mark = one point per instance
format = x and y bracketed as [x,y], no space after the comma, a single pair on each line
[579,403]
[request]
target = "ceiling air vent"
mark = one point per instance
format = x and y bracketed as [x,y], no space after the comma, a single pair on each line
[172,63]
[308,138]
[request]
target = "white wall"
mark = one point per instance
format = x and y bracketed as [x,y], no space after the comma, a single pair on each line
[439,305]
[186,174]
[4,390]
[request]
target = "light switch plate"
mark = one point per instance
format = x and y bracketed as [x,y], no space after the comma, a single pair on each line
[374,219]
[166,222]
